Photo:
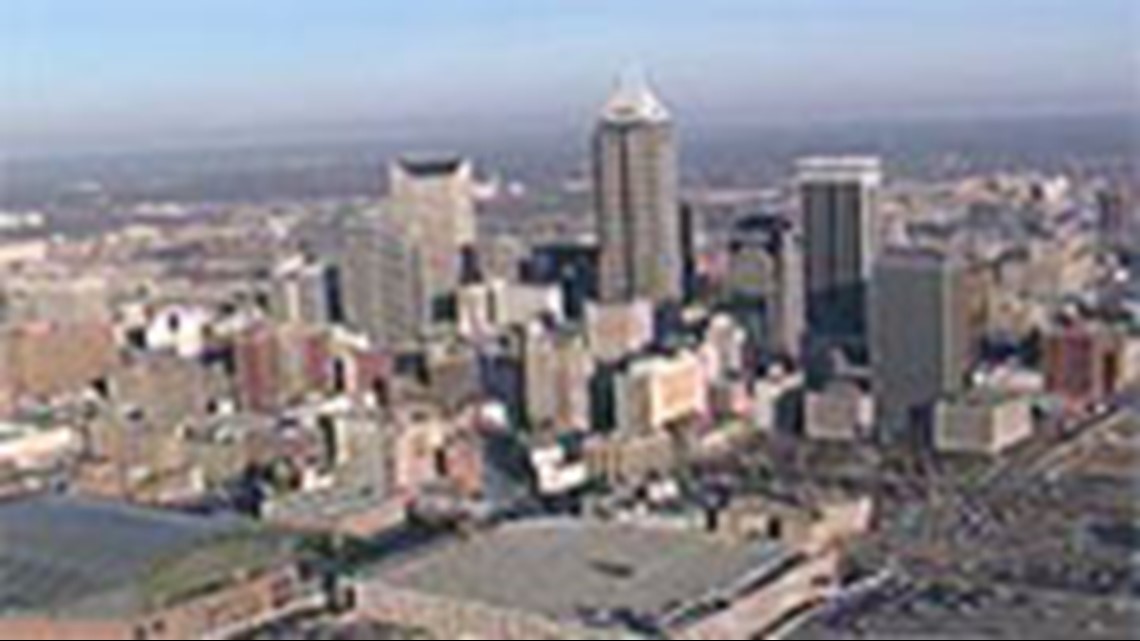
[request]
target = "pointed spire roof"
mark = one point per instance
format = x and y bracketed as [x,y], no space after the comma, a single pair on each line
[633,100]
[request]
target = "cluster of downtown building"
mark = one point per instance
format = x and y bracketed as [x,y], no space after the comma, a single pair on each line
[385,361]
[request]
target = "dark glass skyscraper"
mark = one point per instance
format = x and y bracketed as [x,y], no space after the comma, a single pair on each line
[839,199]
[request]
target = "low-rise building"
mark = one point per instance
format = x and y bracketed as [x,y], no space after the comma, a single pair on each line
[80,569]
[486,309]
[616,331]
[840,412]
[982,422]
[571,579]
[26,447]
[1084,363]
[810,523]
[629,457]
[558,463]
[658,391]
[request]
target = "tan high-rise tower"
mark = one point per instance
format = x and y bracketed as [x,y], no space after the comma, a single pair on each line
[433,205]
[638,213]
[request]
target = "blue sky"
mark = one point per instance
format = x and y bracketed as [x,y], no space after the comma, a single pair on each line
[82,69]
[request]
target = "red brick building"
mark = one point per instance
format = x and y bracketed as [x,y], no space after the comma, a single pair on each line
[1083,364]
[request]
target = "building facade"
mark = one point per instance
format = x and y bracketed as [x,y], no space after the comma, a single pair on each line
[839,203]
[637,207]
[922,347]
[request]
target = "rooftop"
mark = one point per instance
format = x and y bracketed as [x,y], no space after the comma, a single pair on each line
[633,101]
[603,574]
[63,554]
[431,165]
[863,169]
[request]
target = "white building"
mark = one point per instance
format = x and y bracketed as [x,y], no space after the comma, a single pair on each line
[24,447]
[180,329]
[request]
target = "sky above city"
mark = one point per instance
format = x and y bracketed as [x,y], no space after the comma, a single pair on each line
[132,70]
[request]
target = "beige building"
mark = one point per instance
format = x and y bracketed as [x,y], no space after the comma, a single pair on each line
[624,457]
[489,308]
[635,190]
[418,435]
[982,422]
[557,370]
[432,203]
[658,391]
[299,292]
[26,447]
[840,412]
[618,330]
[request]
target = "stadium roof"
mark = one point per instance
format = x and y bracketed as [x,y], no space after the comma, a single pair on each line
[76,557]
[594,574]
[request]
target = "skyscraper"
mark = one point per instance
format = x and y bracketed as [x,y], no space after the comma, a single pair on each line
[923,340]
[766,282]
[432,204]
[379,273]
[839,201]
[638,213]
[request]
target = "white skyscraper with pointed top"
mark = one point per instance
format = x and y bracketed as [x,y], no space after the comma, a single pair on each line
[635,183]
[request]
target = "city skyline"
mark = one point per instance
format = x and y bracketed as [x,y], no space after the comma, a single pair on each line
[569,319]
[124,72]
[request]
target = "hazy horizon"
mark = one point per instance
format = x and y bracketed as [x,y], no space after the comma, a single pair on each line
[136,74]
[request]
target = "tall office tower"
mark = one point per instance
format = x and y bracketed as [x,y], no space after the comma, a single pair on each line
[379,274]
[766,284]
[432,202]
[839,201]
[922,336]
[635,184]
